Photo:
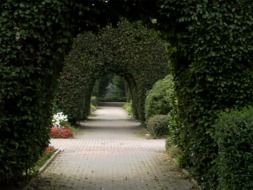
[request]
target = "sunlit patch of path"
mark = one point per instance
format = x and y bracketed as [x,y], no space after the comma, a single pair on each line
[110,152]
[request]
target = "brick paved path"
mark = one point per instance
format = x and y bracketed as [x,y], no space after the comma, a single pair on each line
[111,153]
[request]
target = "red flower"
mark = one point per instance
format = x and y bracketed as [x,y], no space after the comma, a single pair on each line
[55,132]
[61,132]
[66,133]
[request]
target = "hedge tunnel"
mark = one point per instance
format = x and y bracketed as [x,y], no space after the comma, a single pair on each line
[130,50]
[212,68]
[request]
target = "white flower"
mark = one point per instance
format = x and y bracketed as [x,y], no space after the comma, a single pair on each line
[58,118]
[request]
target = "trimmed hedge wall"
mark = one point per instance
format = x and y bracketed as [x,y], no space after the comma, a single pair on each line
[130,50]
[212,68]
[213,72]
[35,35]
[30,51]
[234,136]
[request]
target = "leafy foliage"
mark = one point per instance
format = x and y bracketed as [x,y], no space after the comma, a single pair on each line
[124,50]
[234,136]
[30,50]
[129,108]
[34,38]
[212,71]
[161,98]
[158,126]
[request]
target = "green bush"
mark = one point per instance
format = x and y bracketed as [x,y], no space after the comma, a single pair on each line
[161,98]
[212,68]
[124,50]
[212,71]
[158,126]
[234,136]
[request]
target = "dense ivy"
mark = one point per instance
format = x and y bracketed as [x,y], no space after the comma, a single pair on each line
[212,68]
[234,136]
[34,36]
[213,71]
[27,69]
[130,50]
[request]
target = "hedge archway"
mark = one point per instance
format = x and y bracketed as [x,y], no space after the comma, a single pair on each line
[130,50]
[212,68]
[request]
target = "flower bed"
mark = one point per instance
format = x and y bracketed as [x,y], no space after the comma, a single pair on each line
[61,127]
[57,132]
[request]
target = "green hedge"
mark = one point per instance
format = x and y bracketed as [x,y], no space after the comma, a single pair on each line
[125,50]
[30,52]
[212,68]
[161,98]
[212,71]
[35,35]
[234,136]
[158,126]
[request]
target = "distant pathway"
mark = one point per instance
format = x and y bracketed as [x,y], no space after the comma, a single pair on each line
[111,153]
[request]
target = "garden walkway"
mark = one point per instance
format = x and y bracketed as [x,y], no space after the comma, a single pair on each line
[110,152]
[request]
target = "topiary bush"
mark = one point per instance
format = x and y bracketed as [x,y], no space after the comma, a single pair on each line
[125,50]
[157,125]
[161,98]
[212,70]
[34,38]
[234,137]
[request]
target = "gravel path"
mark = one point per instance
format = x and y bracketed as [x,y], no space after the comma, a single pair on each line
[110,152]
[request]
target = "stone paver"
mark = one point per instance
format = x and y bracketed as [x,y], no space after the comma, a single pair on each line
[109,153]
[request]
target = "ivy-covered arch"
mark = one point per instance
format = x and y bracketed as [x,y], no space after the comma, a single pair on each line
[130,50]
[212,68]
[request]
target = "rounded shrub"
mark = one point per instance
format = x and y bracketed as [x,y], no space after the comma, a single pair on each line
[161,98]
[158,126]
[234,137]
